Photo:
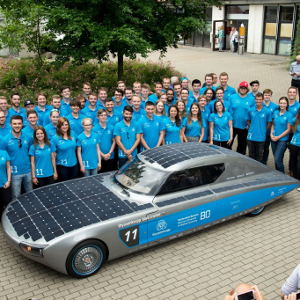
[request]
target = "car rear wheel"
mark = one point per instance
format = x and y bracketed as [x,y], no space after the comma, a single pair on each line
[255,213]
[86,259]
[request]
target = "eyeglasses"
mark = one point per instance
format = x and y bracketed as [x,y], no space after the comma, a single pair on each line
[87,125]
[20,143]
[2,117]
[127,134]
[118,95]
[54,109]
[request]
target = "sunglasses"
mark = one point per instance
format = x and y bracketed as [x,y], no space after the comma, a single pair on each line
[20,143]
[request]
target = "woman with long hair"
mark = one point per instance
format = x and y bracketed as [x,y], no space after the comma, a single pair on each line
[281,127]
[163,97]
[193,126]
[295,146]
[42,158]
[51,127]
[181,109]
[220,126]
[210,94]
[88,150]
[159,109]
[65,144]
[172,127]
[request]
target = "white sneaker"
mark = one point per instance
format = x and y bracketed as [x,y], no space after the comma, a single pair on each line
[298,189]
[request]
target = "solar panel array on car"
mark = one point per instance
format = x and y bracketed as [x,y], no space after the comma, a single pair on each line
[176,153]
[50,212]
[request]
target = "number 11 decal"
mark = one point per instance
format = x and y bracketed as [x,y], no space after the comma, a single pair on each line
[130,236]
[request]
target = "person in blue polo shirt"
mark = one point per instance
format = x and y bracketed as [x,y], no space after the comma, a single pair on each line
[32,118]
[281,127]
[112,117]
[65,108]
[4,127]
[173,125]
[228,90]
[205,113]
[42,157]
[193,126]
[194,95]
[159,109]
[75,117]
[88,150]
[107,141]
[16,109]
[170,100]
[56,103]
[17,145]
[259,121]
[240,103]
[220,95]
[145,90]
[295,147]
[51,127]
[184,95]
[138,112]
[90,111]
[42,108]
[208,83]
[185,85]
[220,125]
[157,88]
[3,107]
[102,95]
[128,136]
[180,104]
[5,180]
[254,89]
[152,127]
[65,144]
[118,105]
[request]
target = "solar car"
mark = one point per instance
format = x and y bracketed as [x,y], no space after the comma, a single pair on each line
[163,194]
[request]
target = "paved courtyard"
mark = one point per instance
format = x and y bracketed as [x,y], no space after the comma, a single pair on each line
[205,265]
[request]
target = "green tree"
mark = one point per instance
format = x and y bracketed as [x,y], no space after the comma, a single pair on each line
[296,45]
[23,29]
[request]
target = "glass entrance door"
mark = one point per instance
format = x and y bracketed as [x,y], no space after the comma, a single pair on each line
[219,26]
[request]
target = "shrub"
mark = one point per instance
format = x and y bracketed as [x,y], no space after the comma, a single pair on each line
[27,77]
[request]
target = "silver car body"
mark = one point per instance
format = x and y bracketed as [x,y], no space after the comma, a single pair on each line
[56,218]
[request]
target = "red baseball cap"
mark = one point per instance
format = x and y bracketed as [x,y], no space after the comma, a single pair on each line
[244,84]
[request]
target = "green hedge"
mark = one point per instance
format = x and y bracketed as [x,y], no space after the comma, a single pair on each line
[27,78]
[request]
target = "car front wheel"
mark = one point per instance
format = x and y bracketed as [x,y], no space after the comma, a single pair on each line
[255,213]
[86,259]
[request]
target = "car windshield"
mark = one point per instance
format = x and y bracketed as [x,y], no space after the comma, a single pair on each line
[140,178]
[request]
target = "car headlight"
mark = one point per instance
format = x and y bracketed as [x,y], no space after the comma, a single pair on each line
[34,250]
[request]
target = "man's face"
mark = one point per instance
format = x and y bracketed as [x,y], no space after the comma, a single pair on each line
[2,118]
[158,88]
[223,80]
[215,79]
[102,117]
[145,93]
[177,89]
[41,100]
[121,86]
[16,125]
[202,102]
[3,105]
[32,119]
[56,103]
[258,101]
[109,106]
[82,103]
[170,96]
[29,107]
[127,116]
[292,94]
[196,87]
[184,94]
[118,97]
[137,88]
[66,93]
[149,110]
[128,94]
[185,83]
[166,83]
[208,80]
[136,102]
[267,97]
[86,89]
[92,100]
[15,100]
[254,87]
[102,95]
[75,109]
[243,90]
[220,94]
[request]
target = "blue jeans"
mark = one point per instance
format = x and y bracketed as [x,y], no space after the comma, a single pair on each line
[266,150]
[278,149]
[16,182]
[90,172]
[221,43]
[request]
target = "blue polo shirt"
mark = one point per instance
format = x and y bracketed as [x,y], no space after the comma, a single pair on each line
[151,130]
[240,108]
[50,130]
[114,119]
[221,126]
[193,129]
[138,114]
[205,116]
[89,150]
[281,123]
[89,113]
[296,137]
[228,92]
[128,135]
[43,163]
[258,126]
[12,112]
[41,113]
[106,136]
[20,161]
[65,109]
[28,130]
[226,104]
[293,109]
[76,123]
[100,105]
[65,150]
[153,98]
[167,106]
[252,96]
[5,130]
[4,157]
[192,98]
[46,119]
[271,107]
[143,104]
[172,132]
[119,109]
[203,89]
